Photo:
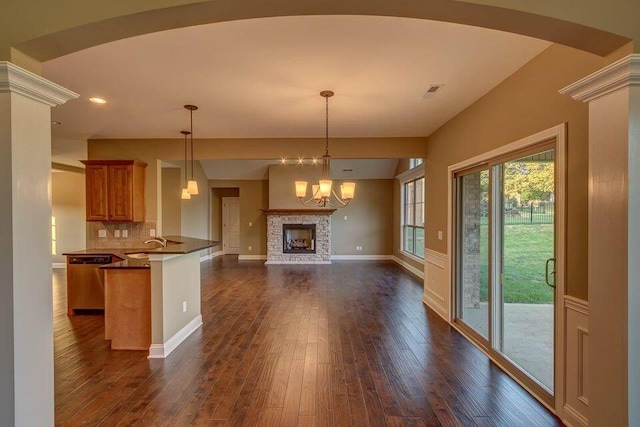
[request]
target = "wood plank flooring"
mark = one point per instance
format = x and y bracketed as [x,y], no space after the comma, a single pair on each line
[349,344]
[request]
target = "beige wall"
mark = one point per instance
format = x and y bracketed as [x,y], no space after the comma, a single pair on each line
[172,182]
[254,196]
[369,220]
[525,103]
[68,207]
[195,211]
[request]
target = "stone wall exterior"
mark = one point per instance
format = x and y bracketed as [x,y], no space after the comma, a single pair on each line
[274,238]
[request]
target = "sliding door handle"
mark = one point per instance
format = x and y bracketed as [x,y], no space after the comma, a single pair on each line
[551,274]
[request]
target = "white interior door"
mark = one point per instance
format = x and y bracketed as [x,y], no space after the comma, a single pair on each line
[231,225]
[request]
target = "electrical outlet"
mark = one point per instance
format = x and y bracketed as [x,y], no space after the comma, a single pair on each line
[345,217]
[250,248]
[439,235]
[184,306]
[125,233]
[152,232]
[102,233]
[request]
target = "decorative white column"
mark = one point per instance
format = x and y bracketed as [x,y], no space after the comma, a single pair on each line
[26,323]
[613,94]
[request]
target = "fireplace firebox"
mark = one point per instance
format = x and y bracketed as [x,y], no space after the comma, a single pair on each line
[299,238]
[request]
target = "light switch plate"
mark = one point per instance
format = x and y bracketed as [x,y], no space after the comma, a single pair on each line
[152,232]
[102,233]
[345,217]
[116,233]
[184,306]
[125,233]
[439,235]
[250,224]
[249,247]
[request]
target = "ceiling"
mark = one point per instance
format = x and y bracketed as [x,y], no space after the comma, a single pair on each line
[340,168]
[260,78]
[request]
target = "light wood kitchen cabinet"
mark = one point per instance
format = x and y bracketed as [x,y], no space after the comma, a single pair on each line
[115,190]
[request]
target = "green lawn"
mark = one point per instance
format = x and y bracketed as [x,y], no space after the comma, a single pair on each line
[526,249]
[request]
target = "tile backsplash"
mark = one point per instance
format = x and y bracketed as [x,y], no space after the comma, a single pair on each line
[137,232]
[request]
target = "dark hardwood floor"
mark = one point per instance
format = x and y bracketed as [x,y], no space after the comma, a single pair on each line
[345,344]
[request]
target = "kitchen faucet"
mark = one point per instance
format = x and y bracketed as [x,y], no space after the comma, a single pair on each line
[157,239]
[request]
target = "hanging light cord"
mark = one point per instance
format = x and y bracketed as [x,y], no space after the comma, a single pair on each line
[191,116]
[326,148]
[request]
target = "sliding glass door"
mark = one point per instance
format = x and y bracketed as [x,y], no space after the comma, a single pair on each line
[505,261]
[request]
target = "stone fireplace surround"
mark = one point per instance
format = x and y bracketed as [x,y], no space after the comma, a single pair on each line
[277,217]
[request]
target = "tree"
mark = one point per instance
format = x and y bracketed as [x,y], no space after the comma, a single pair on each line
[527,181]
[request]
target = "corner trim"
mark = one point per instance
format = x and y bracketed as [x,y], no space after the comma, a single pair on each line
[409,267]
[161,351]
[622,73]
[14,79]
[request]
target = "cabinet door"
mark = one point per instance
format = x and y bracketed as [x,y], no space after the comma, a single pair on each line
[120,193]
[96,182]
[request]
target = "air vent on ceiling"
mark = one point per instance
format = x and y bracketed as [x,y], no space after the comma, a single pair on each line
[431,92]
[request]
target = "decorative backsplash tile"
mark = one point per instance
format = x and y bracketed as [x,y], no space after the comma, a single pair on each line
[137,233]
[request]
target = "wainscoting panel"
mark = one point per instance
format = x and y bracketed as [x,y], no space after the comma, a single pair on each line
[436,283]
[576,398]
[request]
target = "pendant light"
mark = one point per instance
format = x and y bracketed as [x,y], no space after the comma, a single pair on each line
[185,192]
[192,185]
[321,193]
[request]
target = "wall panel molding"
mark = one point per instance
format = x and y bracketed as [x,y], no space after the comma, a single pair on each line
[436,284]
[576,392]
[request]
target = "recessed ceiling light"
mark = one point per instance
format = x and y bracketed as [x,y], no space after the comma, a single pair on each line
[97,100]
[56,122]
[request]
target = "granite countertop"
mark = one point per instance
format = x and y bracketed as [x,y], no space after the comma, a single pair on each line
[175,245]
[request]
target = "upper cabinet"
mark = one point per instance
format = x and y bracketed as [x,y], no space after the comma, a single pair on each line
[115,190]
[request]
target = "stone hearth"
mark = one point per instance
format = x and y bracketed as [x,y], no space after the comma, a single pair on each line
[276,218]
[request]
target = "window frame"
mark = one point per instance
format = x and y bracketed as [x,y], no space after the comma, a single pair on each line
[411,176]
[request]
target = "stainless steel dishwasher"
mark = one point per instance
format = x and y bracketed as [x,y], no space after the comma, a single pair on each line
[85,285]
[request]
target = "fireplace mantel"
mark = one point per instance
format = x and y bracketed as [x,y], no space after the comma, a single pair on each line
[298,211]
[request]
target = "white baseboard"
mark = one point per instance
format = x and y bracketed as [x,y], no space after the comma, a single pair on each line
[361,257]
[161,351]
[295,262]
[59,265]
[251,257]
[412,269]
[211,256]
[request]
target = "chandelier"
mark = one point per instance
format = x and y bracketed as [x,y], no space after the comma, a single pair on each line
[323,193]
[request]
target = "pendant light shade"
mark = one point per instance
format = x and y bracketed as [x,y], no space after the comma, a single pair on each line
[185,194]
[192,185]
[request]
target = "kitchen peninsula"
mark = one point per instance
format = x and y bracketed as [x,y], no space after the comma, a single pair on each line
[152,294]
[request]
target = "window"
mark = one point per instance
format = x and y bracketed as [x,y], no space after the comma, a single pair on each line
[414,162]
[413,217]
